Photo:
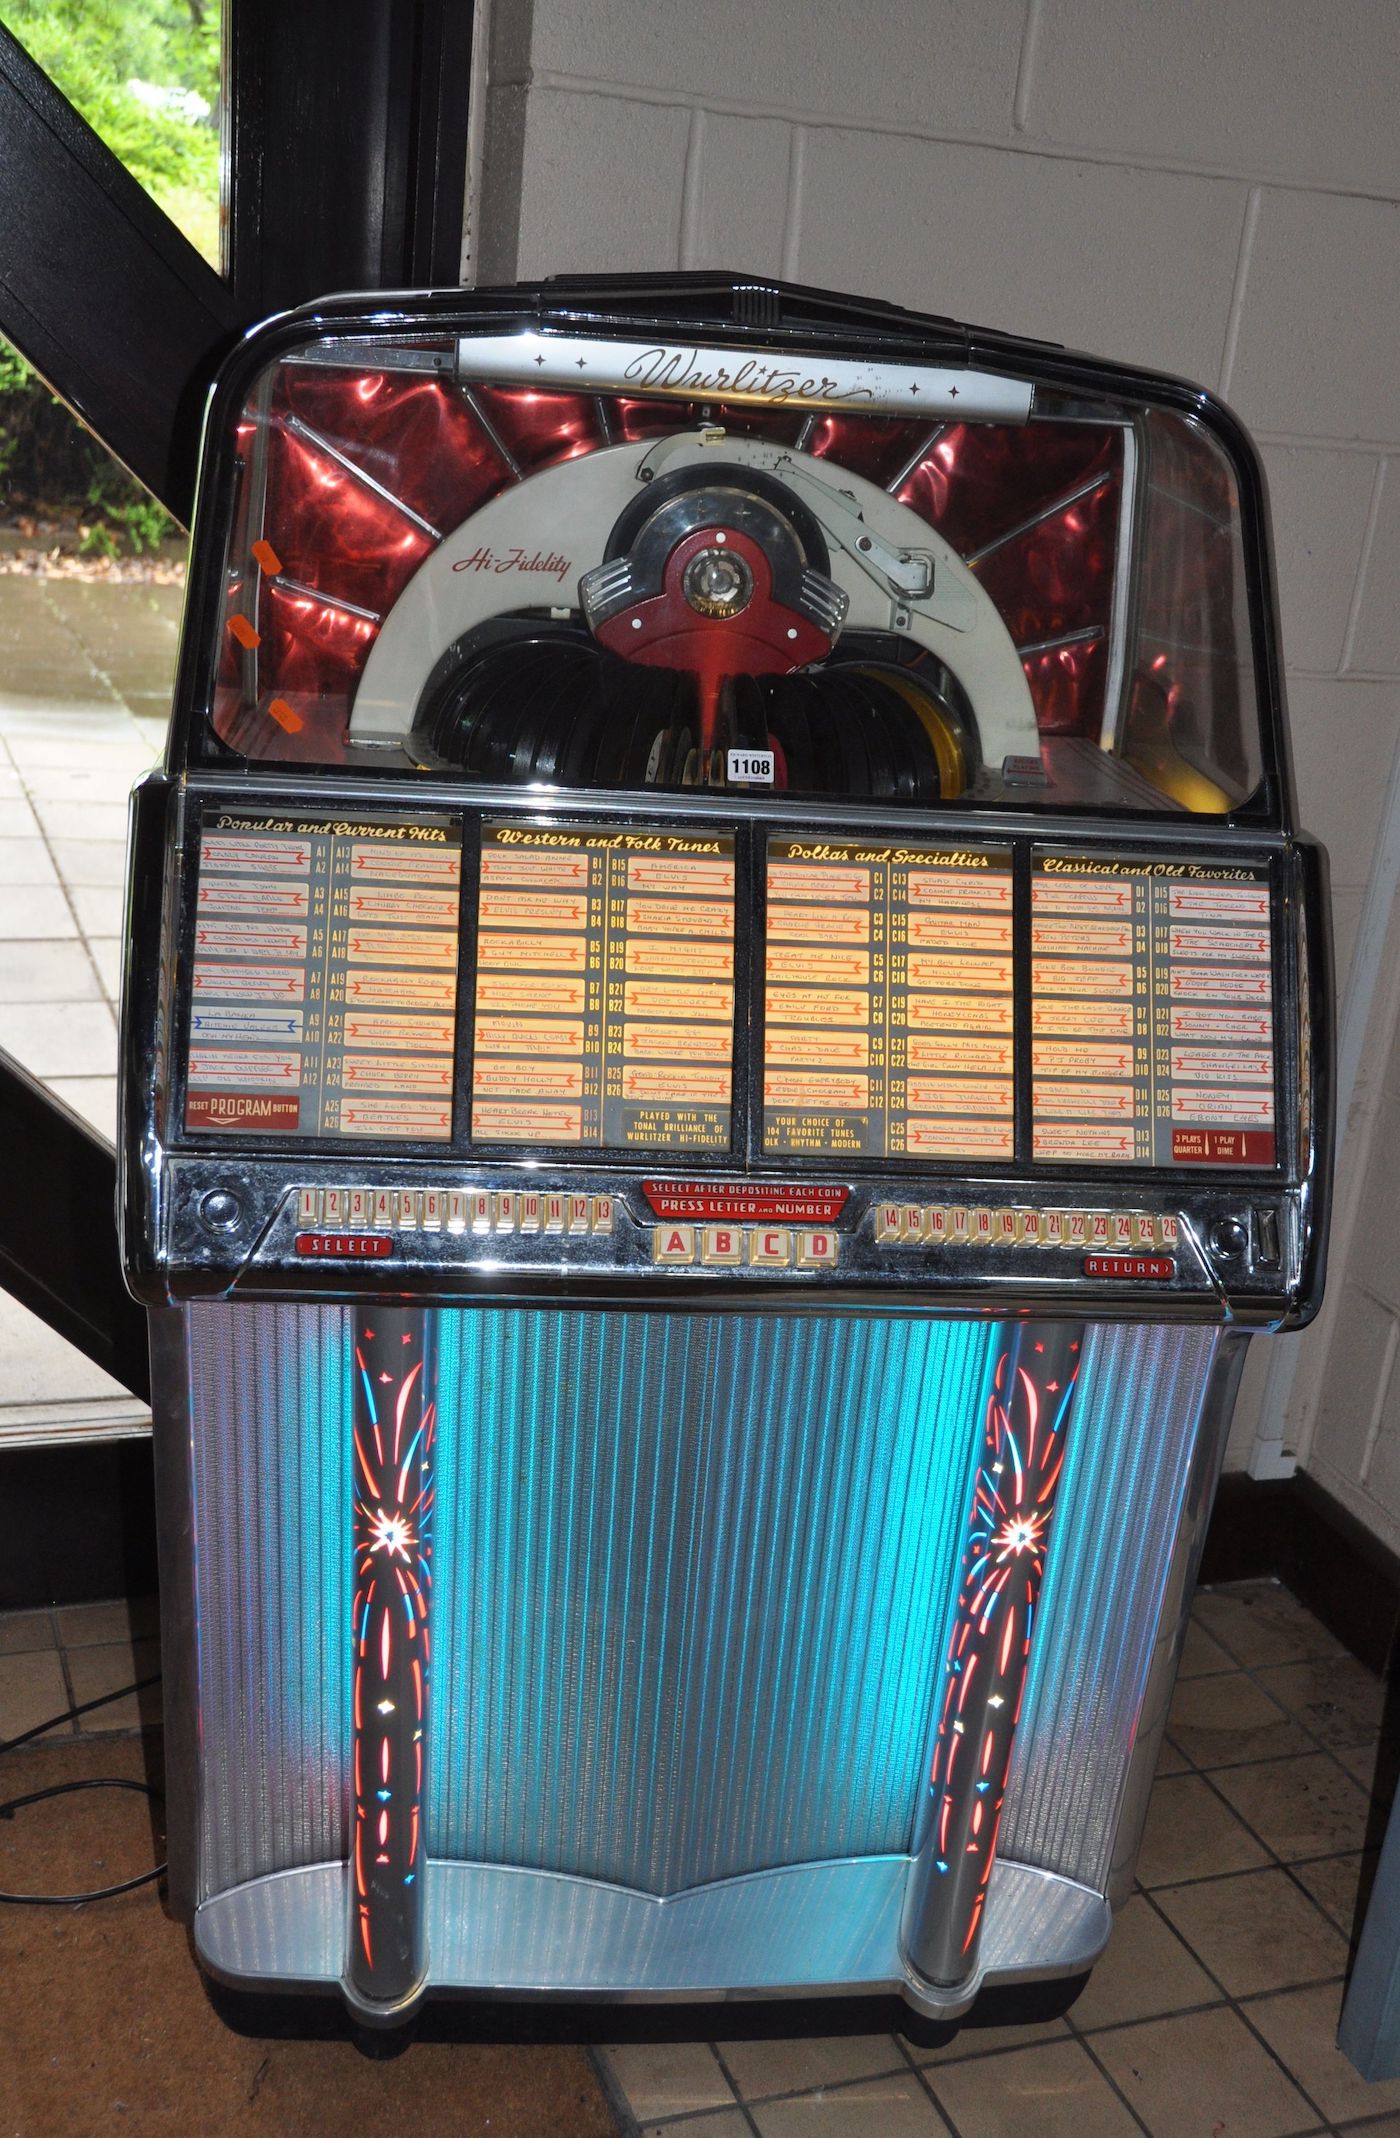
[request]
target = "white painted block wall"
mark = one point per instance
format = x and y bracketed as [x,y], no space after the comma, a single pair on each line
[1212,189]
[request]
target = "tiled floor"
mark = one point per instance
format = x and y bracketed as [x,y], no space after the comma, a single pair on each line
[1211,2016]
[1214,2011]
[85,673]
[50,1660]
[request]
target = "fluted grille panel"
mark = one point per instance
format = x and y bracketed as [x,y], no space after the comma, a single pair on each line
[696,1571]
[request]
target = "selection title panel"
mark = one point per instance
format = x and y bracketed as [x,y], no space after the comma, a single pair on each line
[604,1010]
[324,992]
[324,989]
[1152,993]
[889,1019]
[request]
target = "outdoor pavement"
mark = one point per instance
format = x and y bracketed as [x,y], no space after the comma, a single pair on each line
[85,672]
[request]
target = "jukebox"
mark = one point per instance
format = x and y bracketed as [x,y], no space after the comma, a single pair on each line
[726,1036]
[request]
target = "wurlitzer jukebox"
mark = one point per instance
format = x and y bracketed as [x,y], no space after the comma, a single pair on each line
[726,1036]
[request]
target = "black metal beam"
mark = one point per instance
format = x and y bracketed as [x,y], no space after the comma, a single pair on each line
[58,1236]
[348,149]
[347,145]
[99,290]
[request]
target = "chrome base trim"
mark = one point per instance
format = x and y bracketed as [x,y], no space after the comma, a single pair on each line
[807,1930]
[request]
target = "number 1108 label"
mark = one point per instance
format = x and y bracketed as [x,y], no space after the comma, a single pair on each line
[753,765]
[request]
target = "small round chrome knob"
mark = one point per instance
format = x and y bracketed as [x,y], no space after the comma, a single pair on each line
[220,1210]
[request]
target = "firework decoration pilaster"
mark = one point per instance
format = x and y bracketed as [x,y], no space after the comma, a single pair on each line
[1020,1459]
[393,1424]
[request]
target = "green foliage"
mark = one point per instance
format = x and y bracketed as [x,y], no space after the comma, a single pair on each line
[129,67]
[94,50]
[138,525]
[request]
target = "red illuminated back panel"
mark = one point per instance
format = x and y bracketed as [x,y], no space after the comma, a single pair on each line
[520,580]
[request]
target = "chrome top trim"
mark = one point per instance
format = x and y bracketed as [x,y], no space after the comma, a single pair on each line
[692,371]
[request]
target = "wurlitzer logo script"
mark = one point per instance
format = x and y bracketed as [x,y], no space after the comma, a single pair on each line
[667,369]
[774,378]
[548,562]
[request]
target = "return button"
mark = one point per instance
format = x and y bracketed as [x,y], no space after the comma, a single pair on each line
[1133,1268]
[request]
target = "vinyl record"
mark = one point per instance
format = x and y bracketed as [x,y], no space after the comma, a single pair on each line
[641,705]
[552,707]
[492,705]
[937,702]
[788,728]
[576,762]
[467,738]
[915,766]
[829,758]
[546,704]
[856,705]
[854,776]
[562,710]
[916,774]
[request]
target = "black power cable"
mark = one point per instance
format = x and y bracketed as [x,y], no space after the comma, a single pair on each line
[63,1789]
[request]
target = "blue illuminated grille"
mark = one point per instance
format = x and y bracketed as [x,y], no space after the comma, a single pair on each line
[692,1584]
[696,1571]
